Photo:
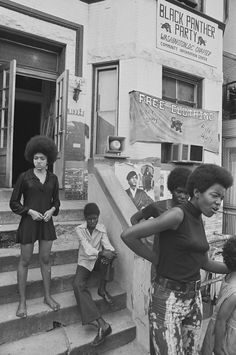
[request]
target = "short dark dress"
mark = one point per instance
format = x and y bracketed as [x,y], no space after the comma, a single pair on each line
[39,197]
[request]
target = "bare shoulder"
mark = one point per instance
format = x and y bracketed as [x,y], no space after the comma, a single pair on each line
[175,212]
[171,218]
[227,307]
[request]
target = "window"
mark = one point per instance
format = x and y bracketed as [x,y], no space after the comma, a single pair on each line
[181,88]
[226,10]
[195,4]
[229,101]
[106,106]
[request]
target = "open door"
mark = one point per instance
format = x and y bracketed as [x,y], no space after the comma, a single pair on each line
[60,123]
[7,102]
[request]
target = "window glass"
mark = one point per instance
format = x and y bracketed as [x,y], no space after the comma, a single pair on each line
[169,88]
[194,4]
[226,10]
[181,88]
[186,92]
[106,106]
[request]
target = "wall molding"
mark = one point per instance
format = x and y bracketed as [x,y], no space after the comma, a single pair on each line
[220,24]
[43,16]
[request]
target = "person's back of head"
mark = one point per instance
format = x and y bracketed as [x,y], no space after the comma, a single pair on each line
[229,253]
[178,178]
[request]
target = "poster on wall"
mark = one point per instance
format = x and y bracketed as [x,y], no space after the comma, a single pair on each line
[162,182]
[155,120]
[76,127]
[186,34]
[141,176]
[76,182]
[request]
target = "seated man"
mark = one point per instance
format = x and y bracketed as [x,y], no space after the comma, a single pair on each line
[95,252]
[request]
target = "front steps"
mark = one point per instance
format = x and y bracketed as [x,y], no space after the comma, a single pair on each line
[75,339]
[44,331]
[42,319]
[53,333]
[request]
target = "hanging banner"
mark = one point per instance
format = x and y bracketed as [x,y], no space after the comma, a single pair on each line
[185,33]
[155,120]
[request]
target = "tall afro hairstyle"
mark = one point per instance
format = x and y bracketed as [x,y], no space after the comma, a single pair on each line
[41,144]
[178,178]
[206,175]
[229,253]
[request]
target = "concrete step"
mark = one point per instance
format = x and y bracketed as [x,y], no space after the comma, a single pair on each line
[62,278]
[8,232]
[5,194]
[64,251]
[42,319]
[70,210]
[75,339]
[58,257]
[132,348]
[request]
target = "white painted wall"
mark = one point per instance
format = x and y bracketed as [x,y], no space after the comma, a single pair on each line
[131,39]
[74,10]
[214,8]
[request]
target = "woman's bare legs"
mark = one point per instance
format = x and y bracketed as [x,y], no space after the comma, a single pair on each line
[22,272]
[44,258]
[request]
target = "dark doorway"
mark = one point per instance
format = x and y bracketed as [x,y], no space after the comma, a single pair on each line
[26,125]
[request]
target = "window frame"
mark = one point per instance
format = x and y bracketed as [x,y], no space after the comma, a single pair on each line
[226,10]
[199,7]
[96,69]
[184,77]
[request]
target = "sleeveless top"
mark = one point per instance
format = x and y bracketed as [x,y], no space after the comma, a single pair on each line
[182,251]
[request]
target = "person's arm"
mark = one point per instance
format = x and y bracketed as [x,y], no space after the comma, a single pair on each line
[55,198]
[88,248]
[15,201]
[55,204]
[146,213]
[146,200]
[106,242]
[132,236]
[136,217]
[223,316]
[217,267]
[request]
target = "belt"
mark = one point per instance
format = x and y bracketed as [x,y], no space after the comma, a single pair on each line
[178,285]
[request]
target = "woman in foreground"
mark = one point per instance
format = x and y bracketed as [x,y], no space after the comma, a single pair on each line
[175,310]
[40,191]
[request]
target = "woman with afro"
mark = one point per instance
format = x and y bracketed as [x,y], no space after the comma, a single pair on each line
[40,191]
[220,336]
[175,310]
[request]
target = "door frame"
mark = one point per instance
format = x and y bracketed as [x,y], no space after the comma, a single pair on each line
[7,120]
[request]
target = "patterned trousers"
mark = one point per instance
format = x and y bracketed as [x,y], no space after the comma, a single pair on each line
[175,321]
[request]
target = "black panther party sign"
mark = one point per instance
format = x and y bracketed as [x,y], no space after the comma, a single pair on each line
[184,33]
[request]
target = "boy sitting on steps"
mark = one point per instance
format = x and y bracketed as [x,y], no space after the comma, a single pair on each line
[95,252]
